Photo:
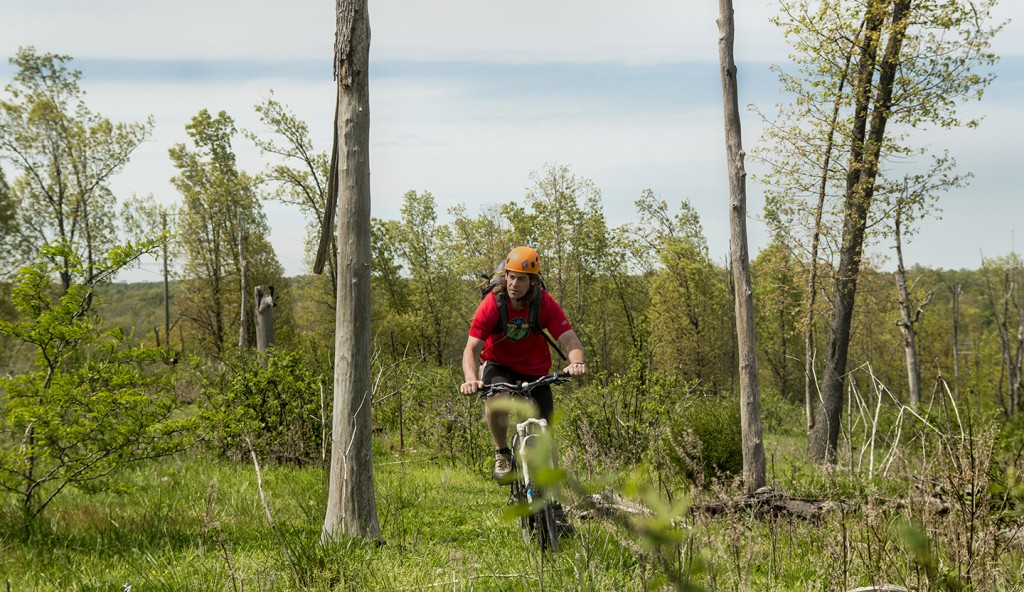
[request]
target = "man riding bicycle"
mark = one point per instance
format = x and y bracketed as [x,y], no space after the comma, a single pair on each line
[513,352]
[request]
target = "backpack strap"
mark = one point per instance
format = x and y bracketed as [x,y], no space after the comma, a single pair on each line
[502,301]
[538,295]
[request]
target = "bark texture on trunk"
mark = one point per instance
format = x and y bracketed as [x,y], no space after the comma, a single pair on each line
[264,318]
[351,504]
[750,402]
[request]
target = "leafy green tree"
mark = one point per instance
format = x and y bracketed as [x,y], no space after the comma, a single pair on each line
[690,312]
[426,250]
[217,199]
[778,295]
[391,289]
[143,217]
[869,74]
[8,227]
[93,402]
[7,245]
[616,320]
[568,223]
[298,177]
[1003,277]
[485,240]
[64,156]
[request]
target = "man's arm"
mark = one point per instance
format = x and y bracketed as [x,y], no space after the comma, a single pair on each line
[470,364]
[574,351]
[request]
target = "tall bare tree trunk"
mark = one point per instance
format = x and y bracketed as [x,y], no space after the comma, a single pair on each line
[243,329]
[167,299]
[907,321]
[351,503]
[264,320]
[750,402]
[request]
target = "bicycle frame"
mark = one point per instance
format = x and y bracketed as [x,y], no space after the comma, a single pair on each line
[539,519]
[526,432]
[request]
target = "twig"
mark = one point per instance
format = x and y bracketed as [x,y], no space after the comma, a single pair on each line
[956,410]
[214,525]
[270,519]
[874,423]
[404,461]
[895,443]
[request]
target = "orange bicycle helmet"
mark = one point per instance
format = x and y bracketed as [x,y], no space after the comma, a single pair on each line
[523,260]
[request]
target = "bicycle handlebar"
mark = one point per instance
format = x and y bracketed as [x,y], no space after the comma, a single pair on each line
[523,387]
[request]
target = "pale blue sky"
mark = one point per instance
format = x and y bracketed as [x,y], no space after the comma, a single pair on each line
[469,96]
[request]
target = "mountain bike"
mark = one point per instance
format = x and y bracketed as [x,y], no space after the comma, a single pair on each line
[534,501]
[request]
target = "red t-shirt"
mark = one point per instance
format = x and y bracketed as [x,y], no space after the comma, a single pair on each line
[515,346]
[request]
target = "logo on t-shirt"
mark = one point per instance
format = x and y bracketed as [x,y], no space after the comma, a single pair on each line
[517,328]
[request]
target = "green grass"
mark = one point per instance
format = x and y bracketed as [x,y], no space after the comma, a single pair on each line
[193,524]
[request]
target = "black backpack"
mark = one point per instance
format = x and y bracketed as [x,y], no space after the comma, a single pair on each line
[502,301]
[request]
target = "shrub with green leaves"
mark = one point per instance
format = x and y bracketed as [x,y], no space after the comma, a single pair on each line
[612,422]
[93,402]
[705,439]
[419,407]
[280,406]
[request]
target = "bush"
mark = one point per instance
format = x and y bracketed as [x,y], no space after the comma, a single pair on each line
[418,406]
[92,403]
[705,440]
[283,408]
[781,416]
[611,422]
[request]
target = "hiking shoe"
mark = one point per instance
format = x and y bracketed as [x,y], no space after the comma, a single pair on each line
[563,527]
[502,467]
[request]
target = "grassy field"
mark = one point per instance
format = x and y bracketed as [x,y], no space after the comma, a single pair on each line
[191,524]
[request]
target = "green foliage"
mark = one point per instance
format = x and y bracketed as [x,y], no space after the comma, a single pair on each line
[704,439]
[219,204]
[298,176]
[415,264]
[63,156]
[780,415]
[778,306]
[280,405]
[192,522]
[419,407]
[691,316]
[93,402]
[613,422]
[8,228]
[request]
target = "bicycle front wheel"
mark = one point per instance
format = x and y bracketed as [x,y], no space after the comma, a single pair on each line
[525,519]
[544,525]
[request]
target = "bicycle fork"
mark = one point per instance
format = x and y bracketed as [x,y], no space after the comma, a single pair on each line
[526,433]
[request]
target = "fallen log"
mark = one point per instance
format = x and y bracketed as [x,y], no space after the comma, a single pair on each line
[766,502]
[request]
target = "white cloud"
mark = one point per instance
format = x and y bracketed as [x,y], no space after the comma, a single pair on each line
[463,138]
[528,31]
[642,31]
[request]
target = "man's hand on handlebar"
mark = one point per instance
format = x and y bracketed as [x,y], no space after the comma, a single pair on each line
[471,387]
[575,369]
